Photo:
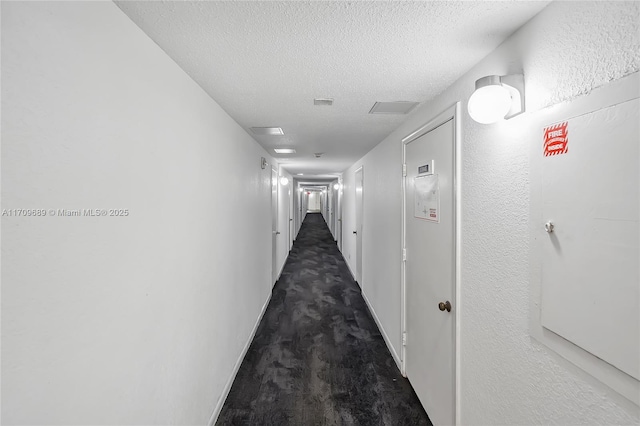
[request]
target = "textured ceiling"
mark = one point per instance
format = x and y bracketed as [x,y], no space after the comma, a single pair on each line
[265,62]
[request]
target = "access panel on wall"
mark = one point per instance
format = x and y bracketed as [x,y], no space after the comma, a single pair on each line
[590,252]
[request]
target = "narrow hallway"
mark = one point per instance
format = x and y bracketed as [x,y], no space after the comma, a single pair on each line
[318,356]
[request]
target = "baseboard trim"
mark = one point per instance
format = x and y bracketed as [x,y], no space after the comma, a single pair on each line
[232,377]
[350,270]
[394,354]
[281,269]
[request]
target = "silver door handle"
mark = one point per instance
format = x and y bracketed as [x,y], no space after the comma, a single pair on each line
[277,232]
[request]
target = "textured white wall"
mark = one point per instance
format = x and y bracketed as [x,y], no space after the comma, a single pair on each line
[567,50]
[382,234]
[121,320]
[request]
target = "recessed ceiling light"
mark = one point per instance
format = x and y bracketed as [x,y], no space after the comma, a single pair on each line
[300,174]
[399,107]
[284,150]
[323,101]
[272,131]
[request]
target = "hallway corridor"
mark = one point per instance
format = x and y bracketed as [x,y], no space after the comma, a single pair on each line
[318,356]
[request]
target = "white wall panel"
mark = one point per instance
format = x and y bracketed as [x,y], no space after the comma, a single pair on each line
[590,259]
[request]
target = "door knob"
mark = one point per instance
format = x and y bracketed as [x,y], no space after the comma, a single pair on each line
[445,305]
[277,232]
[355,232]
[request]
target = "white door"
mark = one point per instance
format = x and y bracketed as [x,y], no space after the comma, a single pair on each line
[336,214]
[340,221]
[330,208]
[274,225]
[291,210]
[358,232]
[283,223]
[340,217]
[430,270]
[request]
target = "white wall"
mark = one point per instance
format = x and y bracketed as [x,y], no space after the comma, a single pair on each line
[121,320]
[507,377]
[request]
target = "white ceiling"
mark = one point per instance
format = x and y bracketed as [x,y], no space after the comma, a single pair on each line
[264,62]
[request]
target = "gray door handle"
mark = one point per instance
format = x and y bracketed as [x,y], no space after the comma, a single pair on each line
[355,232]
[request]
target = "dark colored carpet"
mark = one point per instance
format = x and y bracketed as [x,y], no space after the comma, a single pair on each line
[318,357]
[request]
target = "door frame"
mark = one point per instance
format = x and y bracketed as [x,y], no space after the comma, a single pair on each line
[451,113]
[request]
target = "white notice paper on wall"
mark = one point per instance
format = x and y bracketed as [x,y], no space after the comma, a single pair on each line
[427,198]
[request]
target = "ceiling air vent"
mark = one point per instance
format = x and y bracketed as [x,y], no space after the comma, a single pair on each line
[398,107]
[323,101]
[267,131]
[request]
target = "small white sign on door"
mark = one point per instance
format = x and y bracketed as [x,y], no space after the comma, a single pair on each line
[427,198]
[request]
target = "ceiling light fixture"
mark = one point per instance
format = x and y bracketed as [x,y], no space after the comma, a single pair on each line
[269,131]
[284,150]
[497,97]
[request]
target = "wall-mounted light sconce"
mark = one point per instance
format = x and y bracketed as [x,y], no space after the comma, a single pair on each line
[284,181]
[497,97]
[300,189]
[336,186]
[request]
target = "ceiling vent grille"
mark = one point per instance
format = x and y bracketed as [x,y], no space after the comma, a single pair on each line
[267,131]
[398,107]
[323,101]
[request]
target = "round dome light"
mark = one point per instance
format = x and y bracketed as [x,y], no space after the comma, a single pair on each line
[489,104]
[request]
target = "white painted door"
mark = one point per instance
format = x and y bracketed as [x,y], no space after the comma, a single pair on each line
[430,270]
[339,237]
[335,212]
[330,208]
[291,211]
[359,179]
[274,225]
